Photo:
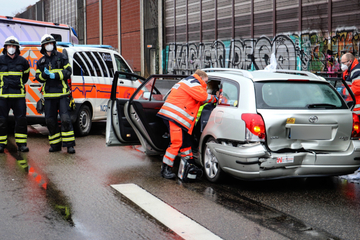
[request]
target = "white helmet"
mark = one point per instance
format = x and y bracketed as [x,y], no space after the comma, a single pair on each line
[47,38]
[11,41]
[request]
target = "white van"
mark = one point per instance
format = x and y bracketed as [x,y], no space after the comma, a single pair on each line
[32,30]
[93,69]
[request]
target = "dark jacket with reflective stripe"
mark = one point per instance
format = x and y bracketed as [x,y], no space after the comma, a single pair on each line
[14,73]
[57,63]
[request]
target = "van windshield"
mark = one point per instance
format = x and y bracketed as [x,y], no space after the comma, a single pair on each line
[121,65]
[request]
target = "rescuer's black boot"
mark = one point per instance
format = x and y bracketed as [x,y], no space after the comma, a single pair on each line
[71,150]
[23,148]
[54,149]
[166,171]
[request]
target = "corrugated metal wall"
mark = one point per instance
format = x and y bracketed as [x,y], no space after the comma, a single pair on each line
[304,34]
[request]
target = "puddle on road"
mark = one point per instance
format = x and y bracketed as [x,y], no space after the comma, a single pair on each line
[56,199]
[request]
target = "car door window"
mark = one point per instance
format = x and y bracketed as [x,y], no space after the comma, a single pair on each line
[229,94]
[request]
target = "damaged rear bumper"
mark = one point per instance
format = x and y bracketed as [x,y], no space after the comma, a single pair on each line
[254,161]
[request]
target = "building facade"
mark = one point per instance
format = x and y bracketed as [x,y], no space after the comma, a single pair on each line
[69,12]
[303,34]
[179,36]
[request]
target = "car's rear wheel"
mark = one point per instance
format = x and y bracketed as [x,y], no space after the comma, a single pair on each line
[83,121]
[212,168]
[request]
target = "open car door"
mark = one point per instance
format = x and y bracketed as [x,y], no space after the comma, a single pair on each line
[118,129]
[139,112]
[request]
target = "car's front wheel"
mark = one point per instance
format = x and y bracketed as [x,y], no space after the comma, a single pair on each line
[212,168]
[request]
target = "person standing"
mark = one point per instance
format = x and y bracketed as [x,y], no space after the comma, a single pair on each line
[179,114]
[14,73]
[351,73]
[53,70]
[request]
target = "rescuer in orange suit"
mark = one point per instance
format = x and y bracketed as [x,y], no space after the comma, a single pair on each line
[179,113]
[351,73]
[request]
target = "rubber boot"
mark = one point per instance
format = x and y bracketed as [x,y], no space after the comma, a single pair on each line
[23,148]
[166,172]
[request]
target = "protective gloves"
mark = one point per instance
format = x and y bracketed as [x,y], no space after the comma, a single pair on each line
[47,72]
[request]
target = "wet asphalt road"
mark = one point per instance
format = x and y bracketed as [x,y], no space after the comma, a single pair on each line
[60,196]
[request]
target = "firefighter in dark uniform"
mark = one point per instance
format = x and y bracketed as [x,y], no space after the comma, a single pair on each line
[53,70]
[14,73]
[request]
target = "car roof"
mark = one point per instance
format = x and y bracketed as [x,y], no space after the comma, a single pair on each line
[262,75]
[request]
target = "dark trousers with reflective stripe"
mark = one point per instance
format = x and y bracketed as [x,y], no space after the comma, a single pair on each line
[53,107]
[18,105]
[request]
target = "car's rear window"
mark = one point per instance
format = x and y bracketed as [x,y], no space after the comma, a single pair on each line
[297,95]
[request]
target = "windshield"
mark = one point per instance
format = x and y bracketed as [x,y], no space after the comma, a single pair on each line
[297,95]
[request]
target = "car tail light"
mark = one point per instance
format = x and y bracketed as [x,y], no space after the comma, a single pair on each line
[255,127]
[355,133]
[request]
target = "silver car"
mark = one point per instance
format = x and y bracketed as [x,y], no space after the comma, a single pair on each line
[265,125]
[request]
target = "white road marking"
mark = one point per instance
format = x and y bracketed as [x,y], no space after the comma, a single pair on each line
[170,217]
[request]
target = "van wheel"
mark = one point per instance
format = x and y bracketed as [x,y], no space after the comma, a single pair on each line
[83,121]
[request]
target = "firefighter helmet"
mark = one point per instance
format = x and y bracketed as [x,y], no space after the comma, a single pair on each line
[11,41]
[47,38]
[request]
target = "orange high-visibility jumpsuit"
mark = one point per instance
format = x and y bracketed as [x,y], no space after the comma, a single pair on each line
[180,109]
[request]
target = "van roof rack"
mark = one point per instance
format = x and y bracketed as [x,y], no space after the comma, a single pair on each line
[244,73]
[64,44]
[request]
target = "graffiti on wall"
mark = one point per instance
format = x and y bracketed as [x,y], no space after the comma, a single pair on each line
[311,51]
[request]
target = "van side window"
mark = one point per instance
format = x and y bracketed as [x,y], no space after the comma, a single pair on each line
[121,65]
[79,66]
[108,62]
[95,65]
[102,64]
[87,61]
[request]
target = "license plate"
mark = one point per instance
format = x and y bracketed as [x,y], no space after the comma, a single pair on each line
[284,160]
[310,133]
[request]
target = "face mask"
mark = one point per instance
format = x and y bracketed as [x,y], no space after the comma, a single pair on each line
[11,50]
[344,67]
[49,47]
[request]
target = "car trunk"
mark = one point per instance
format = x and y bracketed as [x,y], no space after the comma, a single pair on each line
[301,129]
